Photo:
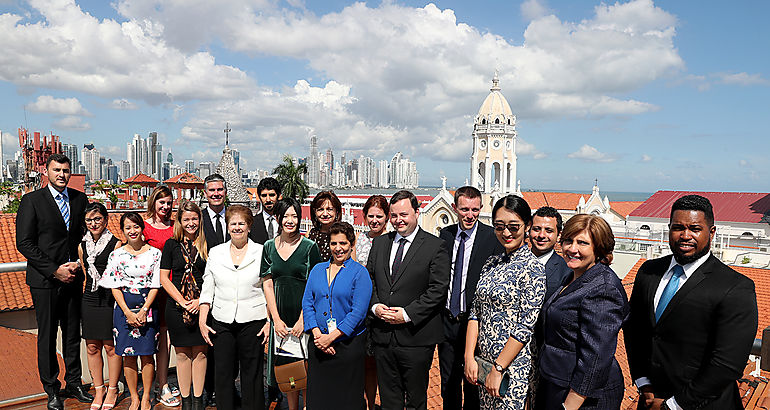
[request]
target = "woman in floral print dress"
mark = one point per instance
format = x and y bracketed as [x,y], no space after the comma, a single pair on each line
[133,274]
[508,298]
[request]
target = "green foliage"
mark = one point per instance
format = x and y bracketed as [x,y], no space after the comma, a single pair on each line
[290,177]
[113,197]
[13,206]
[745,260]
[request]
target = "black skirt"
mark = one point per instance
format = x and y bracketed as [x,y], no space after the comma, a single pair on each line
[96,309]
[181,334]
[337,381]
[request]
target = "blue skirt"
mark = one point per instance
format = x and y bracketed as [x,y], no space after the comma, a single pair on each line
[135,341]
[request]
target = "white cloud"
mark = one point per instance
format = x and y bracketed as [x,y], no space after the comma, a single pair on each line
[62,106]
[123,104]
[523,148]
[591,154]
[741,79]
[533,9]
[114,151]
[71,50]
[646,158]
[72,123]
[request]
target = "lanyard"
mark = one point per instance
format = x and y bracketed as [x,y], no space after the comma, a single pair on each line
[331,285]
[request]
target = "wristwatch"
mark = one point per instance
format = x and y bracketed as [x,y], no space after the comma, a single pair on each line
[145,309]
[499,368]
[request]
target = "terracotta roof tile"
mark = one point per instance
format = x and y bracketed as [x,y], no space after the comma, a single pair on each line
[624,208]
[19,378]
[139,179]
[185,178]
[558,200]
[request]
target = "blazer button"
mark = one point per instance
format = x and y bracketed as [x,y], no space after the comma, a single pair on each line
[324,313]
[391,292]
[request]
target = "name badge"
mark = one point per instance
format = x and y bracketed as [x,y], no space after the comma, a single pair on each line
[331,323]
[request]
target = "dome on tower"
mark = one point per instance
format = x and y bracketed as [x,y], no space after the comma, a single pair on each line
[495,104]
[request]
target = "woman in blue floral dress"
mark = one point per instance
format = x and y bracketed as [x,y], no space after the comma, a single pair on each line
[508,298]
[133,274]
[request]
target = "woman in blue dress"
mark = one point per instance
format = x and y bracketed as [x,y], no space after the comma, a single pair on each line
[133,274]
[508,298]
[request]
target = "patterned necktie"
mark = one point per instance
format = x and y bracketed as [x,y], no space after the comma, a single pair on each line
[220,232]
[669,291]
[64,208]
[457,281]
[397,260]
[270,232]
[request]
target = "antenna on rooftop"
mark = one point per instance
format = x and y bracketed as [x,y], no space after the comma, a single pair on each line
[227,134]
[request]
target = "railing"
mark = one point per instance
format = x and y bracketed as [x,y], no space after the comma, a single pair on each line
[13,267]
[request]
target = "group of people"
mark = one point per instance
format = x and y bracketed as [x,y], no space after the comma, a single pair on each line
[517,325]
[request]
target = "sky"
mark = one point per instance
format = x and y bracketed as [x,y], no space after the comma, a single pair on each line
[639,95]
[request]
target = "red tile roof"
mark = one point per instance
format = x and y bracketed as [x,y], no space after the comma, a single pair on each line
[558,200]
[624,208]
[19,377]
[747,207]
[185,178]
[140,179]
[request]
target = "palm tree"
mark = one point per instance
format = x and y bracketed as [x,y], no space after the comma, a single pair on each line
[290,177]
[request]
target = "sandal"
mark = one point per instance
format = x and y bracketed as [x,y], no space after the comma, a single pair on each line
[109,406]
[167,398]
[96,390]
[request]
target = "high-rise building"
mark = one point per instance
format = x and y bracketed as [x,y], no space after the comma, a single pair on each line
[205,169]
[125,170]
[158,162]
[236,159]
[152,144]
[189,166]
[71,151]
[382,174]
[91,163]
[313,166]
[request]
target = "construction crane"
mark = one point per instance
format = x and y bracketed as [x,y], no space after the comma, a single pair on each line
[35,153]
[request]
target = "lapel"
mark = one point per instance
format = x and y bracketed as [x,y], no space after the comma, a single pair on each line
[578,283]
[249,258]
[386,259]
[413,249]
[692,282]
[477,243]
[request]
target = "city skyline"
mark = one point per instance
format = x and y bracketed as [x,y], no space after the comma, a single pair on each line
[642,95]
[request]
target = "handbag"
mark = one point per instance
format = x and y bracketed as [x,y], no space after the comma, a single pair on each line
[190,288]
[485,367]
[292,376]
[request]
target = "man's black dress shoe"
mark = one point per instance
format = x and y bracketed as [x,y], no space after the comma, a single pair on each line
[55,402]
[77,392]
[212,400]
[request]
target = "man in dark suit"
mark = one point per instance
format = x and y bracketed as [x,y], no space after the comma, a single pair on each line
[214,226]
[265,225]
[410,274]
[543,235]
[49,227]
[693,319]
[470,243]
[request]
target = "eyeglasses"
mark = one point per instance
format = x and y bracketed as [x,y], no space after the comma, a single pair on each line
[98,220]
[499,227]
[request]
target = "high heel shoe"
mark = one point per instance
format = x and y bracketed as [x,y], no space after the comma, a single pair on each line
[109,406]
[96,391]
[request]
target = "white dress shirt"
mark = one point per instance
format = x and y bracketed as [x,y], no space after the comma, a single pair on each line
[689,269]
[235,294]
[543,259]
[270,220]
[393,251]
[213,217]
[468,248]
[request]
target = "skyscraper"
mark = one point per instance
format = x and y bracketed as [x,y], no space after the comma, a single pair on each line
[313,166]
[152,143]
[91,162]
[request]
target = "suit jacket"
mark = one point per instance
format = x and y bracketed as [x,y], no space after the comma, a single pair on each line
[42,236]
[210,233]
[420,287]
[235,294]
[484,245]
[258,232]
[581,333]
[556,271]
[700,345]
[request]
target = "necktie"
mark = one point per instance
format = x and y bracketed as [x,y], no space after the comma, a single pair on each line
[64,208]
[397,260]
[669,291]
[219,231]
[457,281]
[270,232]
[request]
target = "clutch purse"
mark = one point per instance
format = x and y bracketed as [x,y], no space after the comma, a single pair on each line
[485,367]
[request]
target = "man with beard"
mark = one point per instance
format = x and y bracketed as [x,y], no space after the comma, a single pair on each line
[693,319]
[265,225]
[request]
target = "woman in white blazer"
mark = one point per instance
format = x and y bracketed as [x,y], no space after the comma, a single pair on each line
[232,292]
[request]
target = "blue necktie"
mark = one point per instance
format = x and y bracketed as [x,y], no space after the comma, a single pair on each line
[669,291]
[64,208]
[457,281]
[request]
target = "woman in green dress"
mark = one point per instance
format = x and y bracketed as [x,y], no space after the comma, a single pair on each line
[286,263]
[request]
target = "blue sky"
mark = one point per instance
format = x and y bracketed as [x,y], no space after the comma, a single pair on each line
[641,95]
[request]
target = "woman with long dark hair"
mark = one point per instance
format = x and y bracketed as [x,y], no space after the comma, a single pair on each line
[325,209]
